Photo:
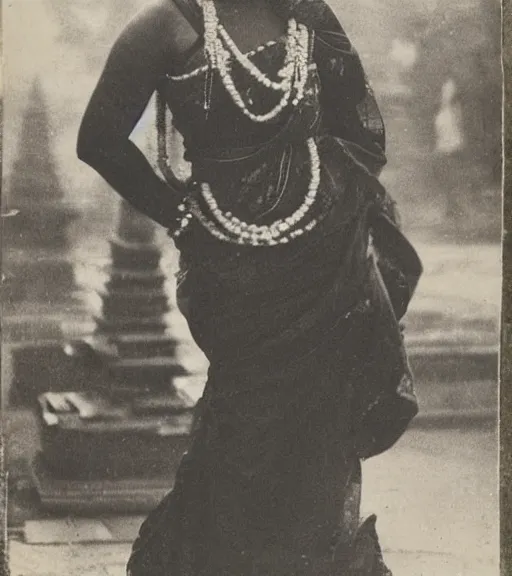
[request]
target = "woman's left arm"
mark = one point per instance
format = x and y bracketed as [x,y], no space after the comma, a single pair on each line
[349,109]
[341,75]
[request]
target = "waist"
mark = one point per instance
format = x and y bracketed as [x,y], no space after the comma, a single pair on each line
[302,123]
[276,188]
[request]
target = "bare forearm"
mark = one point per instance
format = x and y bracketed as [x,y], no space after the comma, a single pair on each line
[129,173]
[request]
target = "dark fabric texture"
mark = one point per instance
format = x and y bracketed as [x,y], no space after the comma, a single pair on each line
[308,372]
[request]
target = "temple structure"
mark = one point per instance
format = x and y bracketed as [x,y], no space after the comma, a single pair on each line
[39,293]
[116,444]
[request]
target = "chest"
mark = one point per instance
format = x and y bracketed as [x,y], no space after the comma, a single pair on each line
[250,24]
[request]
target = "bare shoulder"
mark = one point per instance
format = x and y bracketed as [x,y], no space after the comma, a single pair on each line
[159,16]
[160,22]
[158,11]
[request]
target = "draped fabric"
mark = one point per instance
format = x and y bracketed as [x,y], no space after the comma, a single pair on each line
[271,483]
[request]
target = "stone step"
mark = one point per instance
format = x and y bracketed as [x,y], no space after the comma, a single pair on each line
[444,364]
[130,376]
[135,256]
[456,418]
[143,276]
[135,282]
[117,347]
[134,308]
[30,369]
[457,397]
[144,345]
[115,439]
[134,296]
[116,325]
[129,495]
[155,362]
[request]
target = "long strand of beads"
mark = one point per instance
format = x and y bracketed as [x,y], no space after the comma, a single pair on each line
[183,220]
[301,67]
[301,72]
[253,70]
[234,230]
[211,23]
[220,50]
[245,239]
[236,226]
[192,209]
[237,98]
[203,69]
[294,71]
[296,58]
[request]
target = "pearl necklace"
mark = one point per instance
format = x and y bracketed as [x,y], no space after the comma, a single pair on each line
[230,228]
[221,51]
[202,69]
[244,239]
[253,70]
[237,227]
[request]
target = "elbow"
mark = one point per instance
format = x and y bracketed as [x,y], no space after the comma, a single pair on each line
[92,149]
[85,149]
[100,146]
[91,142]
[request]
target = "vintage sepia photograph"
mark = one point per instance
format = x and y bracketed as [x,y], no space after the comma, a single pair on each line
[251,287]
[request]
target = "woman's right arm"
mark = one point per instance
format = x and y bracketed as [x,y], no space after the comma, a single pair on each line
[134,68]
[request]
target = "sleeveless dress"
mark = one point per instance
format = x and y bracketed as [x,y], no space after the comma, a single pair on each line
[271,483]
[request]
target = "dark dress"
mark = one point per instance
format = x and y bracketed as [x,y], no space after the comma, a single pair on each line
[270,485]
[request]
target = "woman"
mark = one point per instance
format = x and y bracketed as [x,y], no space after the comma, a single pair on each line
[294,306]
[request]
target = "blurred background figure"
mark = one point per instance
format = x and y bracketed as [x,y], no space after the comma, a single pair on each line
[450,148]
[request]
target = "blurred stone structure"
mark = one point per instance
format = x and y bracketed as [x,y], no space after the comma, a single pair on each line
[132,334]
[116,444]
[35,237]
[410,51]
[460,43]
[39,296]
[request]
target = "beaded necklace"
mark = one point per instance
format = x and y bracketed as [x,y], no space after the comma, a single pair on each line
[221,52]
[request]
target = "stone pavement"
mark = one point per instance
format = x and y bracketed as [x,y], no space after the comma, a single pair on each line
[458,298]
[435,495]
[437,501]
